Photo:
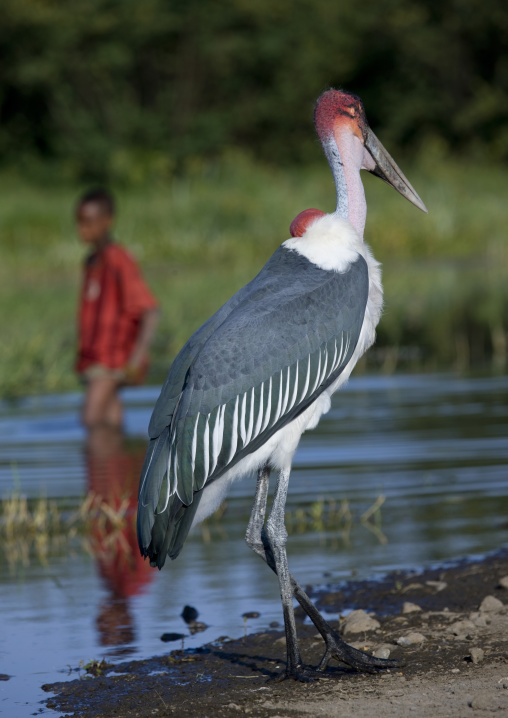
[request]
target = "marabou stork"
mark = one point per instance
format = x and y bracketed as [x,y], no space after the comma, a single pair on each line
[263,369]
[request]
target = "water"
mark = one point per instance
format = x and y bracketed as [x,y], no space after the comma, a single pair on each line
[435,446]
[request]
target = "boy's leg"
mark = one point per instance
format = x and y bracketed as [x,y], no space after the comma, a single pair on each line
[114,411]
[102,404]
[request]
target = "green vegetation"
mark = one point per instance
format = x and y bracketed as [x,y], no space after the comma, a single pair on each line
[41,527]
[131,91]
[36,529]
[202,236]
[171,102]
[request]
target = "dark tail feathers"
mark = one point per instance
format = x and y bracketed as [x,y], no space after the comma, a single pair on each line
[161,534]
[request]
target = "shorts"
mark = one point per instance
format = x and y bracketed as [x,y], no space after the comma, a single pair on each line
[99,371]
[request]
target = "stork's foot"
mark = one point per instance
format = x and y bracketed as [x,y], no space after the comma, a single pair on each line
[299,673]
[352,657]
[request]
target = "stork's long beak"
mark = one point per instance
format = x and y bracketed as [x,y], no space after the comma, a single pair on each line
[388,171]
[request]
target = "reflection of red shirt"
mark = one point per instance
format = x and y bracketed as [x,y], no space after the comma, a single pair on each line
[113,479]
[113,300]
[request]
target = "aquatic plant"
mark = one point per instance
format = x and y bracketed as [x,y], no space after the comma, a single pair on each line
[35,529]
[40,526]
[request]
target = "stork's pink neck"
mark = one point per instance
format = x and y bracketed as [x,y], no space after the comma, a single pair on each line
[341,124]
[347,156]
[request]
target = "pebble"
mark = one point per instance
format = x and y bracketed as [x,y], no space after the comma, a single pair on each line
[168,637]
[197,627]
[478,619]
[491,604]
[438,585]
[487,703]
[189,614]
[462,628]
[381,652]
[358,621]
[503,582]
[408,607]
[477,655]
[411,639]
[411,587]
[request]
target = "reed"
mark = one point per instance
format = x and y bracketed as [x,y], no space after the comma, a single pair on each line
[40,527]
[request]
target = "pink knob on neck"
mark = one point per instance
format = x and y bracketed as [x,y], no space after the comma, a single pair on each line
[302,221]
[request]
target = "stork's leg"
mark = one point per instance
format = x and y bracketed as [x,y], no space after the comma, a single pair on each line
[277,534]
[253,536]
[336,647]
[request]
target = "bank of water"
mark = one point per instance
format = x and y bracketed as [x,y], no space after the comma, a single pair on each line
[430,451]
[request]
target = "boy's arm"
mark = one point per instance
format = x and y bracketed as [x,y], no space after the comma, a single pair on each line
[148,324]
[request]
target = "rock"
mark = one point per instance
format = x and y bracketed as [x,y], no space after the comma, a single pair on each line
[250,614]
[382,651]
[358,621]
[491,604]
[168,637]
[438,585]
[478,619]
[462,628]
[411,639]
[189,614]
[411,587]
[488,703]
[477,655]
[408,607]
[197,627]
[503,582]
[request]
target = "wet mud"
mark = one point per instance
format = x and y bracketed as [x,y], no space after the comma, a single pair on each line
[448,627]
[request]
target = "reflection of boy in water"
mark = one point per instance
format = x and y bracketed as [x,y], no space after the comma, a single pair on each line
[113,469]
[117,315]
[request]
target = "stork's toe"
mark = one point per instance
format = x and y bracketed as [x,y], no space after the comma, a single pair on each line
[299,673]
[341,651]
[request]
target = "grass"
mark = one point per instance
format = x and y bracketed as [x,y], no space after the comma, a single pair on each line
[202,236]
[39,528]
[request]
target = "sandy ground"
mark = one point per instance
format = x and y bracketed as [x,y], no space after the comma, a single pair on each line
[448,626]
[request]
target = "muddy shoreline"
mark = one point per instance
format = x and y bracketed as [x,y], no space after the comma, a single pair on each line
[448,625]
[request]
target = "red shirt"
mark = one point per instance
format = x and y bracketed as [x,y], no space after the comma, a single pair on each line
[113,300]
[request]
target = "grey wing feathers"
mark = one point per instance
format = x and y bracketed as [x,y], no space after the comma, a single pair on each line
[175,380]
[283,339]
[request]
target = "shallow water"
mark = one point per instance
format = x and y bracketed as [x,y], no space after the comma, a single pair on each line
[434,446]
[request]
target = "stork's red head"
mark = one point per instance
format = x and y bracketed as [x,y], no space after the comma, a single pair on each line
[348,140]
[337,109]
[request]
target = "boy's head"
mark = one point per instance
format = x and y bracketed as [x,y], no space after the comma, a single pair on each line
[95,213]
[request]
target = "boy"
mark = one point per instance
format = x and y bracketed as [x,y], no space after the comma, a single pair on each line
[117,315]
